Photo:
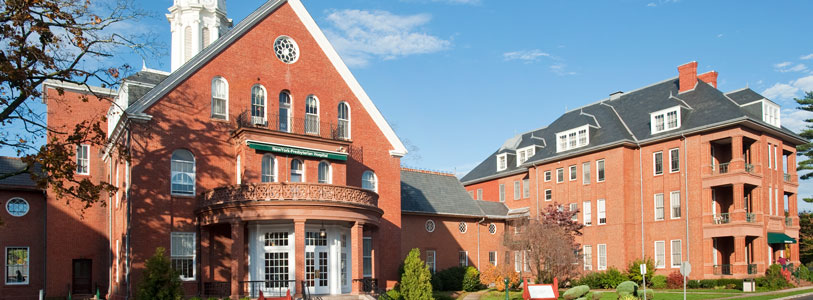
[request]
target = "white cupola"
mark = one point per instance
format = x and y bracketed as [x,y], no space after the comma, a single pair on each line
[195,24]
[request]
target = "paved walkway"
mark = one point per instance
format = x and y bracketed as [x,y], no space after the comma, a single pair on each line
[746,295]
[474,296]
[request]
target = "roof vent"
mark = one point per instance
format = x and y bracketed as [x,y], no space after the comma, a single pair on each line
[616,95]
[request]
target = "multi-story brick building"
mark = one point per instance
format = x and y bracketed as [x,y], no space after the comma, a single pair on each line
[675,171]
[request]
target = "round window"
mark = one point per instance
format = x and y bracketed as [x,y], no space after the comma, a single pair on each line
[286,49]
[430,226]
[462,227]
[17,207]
[492,228]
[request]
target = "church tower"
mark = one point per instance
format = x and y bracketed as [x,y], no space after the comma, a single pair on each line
[195,24]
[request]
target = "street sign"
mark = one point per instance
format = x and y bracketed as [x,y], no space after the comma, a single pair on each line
[643,269]
[685,268]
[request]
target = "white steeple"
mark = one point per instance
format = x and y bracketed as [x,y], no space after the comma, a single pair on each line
[195,24]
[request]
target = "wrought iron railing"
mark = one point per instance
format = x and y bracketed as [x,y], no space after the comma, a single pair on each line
[270,288]
[722,269]
[218,289]
[749,168]
[752,269]
[721,168]
[750,217]
[787,177]
[311,125]
[370,286]
[788,221]
[271,191]
[722,218]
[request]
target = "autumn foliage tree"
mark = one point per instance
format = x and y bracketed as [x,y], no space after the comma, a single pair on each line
[550,243]
[70,41]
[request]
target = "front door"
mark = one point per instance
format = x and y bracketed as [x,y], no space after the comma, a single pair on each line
[316,262]
[82,276]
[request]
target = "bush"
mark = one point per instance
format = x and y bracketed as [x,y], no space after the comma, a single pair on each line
[451,279]
[444,297]
[415,283]
[659,282]
[708,283]
[195,298]
[437,284]
[675,280]
[634,271]
[803,273]
[245,298]
[576,292]
[729,283]
[693,284]
[160,281]
[774,279]
[602,280]
[471,280]
[627,297]
[650,294]
[495,276]
[393,294]
[627,288]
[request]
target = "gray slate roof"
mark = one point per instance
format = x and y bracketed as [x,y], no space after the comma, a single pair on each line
[626,119]
[145,76]
[13,164]
[433,193]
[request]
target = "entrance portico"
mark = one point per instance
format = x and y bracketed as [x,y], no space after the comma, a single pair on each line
[284,236]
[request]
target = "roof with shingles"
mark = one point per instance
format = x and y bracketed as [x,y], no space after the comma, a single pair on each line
[11,165]
[435,193]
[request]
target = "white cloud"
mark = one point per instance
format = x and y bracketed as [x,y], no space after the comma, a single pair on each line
[804,83]
[719,35]
[361,35]
[526,56]
[805,57]
[794,119]
[782,65]
[780,91]
[470,2]
[651,4]
[787,66]
[561,69]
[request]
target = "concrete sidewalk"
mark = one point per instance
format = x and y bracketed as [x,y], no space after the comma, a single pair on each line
[746,295]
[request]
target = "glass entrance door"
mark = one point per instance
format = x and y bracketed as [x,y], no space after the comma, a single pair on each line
[317,273]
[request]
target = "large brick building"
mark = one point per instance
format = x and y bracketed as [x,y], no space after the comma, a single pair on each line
[674,171]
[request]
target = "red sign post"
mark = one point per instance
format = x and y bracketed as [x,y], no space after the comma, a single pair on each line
[540,291]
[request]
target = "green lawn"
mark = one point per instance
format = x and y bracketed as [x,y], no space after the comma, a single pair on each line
[774,296]
[497,295]
[695,294]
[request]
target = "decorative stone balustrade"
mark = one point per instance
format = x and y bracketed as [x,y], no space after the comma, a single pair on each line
[282,191]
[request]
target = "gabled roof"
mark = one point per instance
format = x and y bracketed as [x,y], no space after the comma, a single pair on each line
[626,120]
[14,164]
[219,45]
[427,192]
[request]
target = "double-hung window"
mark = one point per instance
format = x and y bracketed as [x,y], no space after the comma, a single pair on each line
[587,213]
[526,188]
[600,170]
[657,163]
[258,105]
[183,254]
[269,170]
[658,207]
[674,160]
[517,261]
[343,126]
[17,265]
[573,138]
[517,189]
[677,258]
[560,175]
[182,173]
[430,260]
[573,173]
[369,181]
[463,258]
[547,176]
[502,161]
[83,159]
[574,207]
[660,254]
[674,203]
[602,212]
[297,171]
[587,252]
[220,98]
[492,258]
[586,173]
[524,154]
[502,192]
[367,257]
[548,195]
[602,257]
[311,115]
[479,194]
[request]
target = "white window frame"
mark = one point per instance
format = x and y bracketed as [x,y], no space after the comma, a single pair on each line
[225,99]
[775,159]
[8,208]
[548,195]
[464,260]
[329,175]
[502,161]
[770,158]
[586,173]
[674,153]
[526,188]
[193,256]
[524,154]
[674,199]
[311,115]
[193,174]
[655,163]
[259,120]
[83,161]
[118,259]
[365,257]
[581,135]
[462,227]
[548,176]
[526,265]
[770,200]
[770,113]
[346,120]
[479,194]
[517,190]
[373,181]
[664,113]
[433,264]
[495,260]
[517,261]
[587,256]
[602,257]
[573,172]
[574,207]
[662,263]
[560,175]
[673,263]
[273,160]
[601,207]
[28,266]
[662,206]
[502,192]
[587,213]
[301,172]
[600,170]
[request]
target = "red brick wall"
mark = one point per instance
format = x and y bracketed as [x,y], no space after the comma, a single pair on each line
[25,231]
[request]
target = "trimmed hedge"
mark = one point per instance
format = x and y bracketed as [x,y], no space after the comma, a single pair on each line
[659,282]
[576,292]
[608,279]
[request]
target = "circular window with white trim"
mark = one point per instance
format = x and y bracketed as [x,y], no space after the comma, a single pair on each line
[430,226]
[462,227]
[492,228]
[286,49]
[17,207]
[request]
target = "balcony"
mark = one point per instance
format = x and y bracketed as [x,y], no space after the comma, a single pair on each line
[750,217]
[720,168]
[722,269]
[282,191]
[749,168]
[308,126]
[723,218]
[752,269]
[788,222]
[787,177]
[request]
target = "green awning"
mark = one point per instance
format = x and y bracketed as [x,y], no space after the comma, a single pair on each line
[780,238]
[297,151]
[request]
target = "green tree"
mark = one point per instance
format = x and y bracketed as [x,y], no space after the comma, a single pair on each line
[416,280]
[806,237]
[161,281]
[806,150]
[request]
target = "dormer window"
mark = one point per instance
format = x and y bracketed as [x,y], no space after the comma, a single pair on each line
[524,154]
[572,139]
[665,120]
[770,113]
[502,161]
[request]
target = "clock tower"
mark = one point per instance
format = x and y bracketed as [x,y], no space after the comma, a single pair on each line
[195,24]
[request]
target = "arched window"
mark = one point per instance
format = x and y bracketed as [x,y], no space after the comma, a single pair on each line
[269,166]
[324,172]
[205,37]
[183,173]
[284,111]
[312,115]
[297,171]
[344,121]
[369,181]
[220,98]
[258,105]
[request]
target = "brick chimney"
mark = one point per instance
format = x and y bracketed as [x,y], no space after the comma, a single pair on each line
[709,77]
[688,76]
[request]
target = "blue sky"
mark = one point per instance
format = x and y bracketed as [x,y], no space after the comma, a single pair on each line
[455,78]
